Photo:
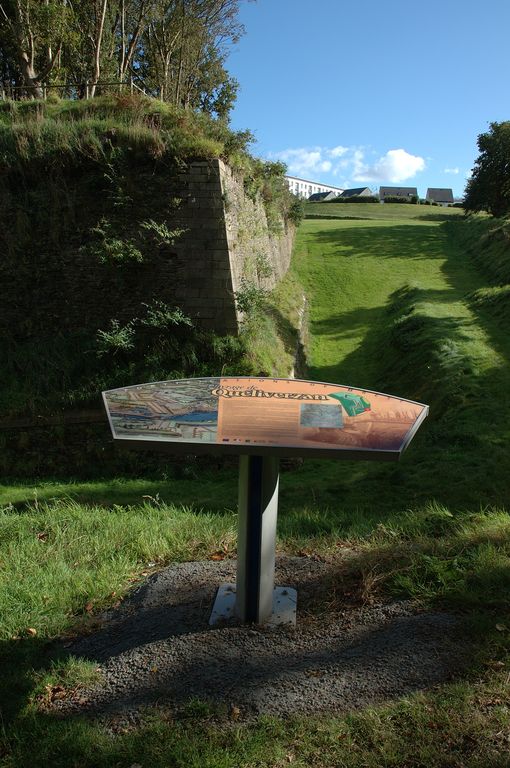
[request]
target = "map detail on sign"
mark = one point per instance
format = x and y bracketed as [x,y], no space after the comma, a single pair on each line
[252,412]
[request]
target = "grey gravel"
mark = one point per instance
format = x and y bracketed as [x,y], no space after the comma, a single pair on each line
[157,648]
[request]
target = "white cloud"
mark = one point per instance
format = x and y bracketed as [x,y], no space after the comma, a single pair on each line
[338,151]
[395,166]
[302,161]
[312,162]
[452,170]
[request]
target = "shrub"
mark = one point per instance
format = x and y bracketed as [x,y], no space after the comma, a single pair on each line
[397,199]
[250,298]
[356,199]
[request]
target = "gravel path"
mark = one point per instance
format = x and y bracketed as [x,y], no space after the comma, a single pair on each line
[157,648]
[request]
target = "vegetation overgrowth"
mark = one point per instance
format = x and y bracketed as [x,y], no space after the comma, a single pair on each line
[488,188]
[85,208]
[397,304]
[55,133]
[174,51]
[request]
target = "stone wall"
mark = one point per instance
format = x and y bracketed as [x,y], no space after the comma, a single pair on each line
[227,239]
[52,281]
[59,286]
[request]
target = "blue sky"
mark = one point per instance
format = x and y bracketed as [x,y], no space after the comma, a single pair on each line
[370,92]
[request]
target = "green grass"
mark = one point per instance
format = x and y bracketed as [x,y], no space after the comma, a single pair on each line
[63,556]
[459,726]
[381,212]
[391,309]
[395,305]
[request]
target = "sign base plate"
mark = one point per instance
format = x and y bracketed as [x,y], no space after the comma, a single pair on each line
[284,606]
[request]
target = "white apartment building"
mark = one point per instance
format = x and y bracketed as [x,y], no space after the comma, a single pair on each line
[304,187]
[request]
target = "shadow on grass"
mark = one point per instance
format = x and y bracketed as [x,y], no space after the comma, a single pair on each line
[375,652]
[18,660]
[435,217]
[211,487]
[411,240]
[183,657]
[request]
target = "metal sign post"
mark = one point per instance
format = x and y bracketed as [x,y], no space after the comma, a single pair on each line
[254,599]
[256,541]
[261,420]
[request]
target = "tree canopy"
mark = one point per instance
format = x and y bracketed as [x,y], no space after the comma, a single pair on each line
[173,49]
[488,189]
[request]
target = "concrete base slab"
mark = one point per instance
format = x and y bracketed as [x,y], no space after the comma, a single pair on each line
[284,606]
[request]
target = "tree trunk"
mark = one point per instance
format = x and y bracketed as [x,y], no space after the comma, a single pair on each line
[97,51]
[30,78]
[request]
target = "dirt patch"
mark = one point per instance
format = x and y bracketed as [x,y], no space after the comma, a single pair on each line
[157,648]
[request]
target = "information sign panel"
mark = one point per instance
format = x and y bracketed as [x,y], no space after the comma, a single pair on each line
[283,417]
[261,419]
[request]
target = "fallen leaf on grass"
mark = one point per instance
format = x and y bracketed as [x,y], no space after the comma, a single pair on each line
[55,692]
[501,628]
[304,553]
[42,536]
[31,631]
[218,556]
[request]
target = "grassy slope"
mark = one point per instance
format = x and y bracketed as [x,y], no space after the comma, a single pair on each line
[417,527]
[379,212]
[351,269]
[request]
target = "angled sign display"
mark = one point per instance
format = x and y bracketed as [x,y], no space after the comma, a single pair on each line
[282,417]
[261,419]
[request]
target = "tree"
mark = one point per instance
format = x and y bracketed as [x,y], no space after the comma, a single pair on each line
[33,32]
[175,49]
[185,50]
[488,189]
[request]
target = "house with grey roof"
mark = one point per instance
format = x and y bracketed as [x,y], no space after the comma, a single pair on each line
[357,192]
[441,196]
[322,197]
[406,193]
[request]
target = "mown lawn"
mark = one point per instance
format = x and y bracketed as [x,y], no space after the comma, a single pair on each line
[389,308]
[382,212]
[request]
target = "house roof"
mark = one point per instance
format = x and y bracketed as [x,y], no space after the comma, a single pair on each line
[353,192]
[439,195]
[318,196]
[398,191]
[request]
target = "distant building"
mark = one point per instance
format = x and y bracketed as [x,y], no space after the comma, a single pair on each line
[322,197]
[357,192]
[305,188]
[440,196]
[404,192]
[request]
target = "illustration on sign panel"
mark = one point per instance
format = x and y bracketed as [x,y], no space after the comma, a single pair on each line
[265,412]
